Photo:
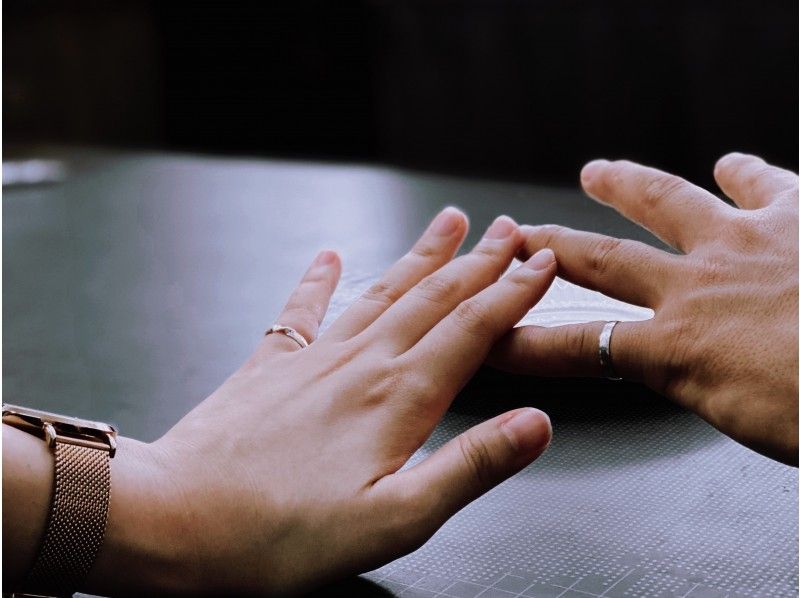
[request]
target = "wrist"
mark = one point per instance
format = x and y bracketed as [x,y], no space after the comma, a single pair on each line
[144,548]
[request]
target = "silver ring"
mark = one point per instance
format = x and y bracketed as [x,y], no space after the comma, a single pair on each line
[605,351]
[290,332]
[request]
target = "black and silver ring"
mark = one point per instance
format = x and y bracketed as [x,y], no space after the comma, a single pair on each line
[605,351]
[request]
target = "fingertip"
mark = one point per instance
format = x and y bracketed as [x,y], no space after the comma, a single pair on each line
[502,227]
[327,263]
[326,257]
[592,176]
[544,259]
[447,222]
[724,162]
[590,172]
[730,160]
[529,431]
[464,218]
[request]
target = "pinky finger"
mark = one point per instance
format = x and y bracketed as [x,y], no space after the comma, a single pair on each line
[307,305]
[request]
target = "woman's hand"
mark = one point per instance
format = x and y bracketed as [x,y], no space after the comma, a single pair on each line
[724,338]
[289,474]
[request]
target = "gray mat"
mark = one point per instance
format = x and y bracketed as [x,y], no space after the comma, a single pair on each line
[635,497]
[639,499]
[134,288]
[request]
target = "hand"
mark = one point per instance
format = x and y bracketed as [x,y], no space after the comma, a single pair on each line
[289,474]
[723,341]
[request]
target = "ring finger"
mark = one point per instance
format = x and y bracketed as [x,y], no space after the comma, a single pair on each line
[306,306]
[573,351]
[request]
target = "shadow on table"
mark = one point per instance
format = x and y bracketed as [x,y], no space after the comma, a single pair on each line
[356,587]
[597,423]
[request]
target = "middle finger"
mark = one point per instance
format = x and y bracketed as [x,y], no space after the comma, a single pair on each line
[421,308]
[435,248]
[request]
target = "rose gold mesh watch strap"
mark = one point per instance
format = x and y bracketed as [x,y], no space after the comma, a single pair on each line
[77,520]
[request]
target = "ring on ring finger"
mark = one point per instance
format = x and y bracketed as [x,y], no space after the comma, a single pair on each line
[289,332]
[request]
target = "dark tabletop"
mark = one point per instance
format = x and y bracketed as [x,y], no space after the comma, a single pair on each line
[138,283]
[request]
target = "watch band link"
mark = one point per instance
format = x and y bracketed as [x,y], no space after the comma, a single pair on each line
[77,519]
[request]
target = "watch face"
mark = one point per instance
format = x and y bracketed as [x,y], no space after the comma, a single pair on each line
[25,415]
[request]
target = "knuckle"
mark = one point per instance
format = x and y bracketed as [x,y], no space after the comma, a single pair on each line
[382,292]
[425,250]
[711,271]
[438,288]
[487,251]
[661,188]
[315,277]
[520,279]
[343,355]
[758,175]
[385,382]
[477,459]
[615,174]
[603,253]
[410,382]
[473,317]
[749,230]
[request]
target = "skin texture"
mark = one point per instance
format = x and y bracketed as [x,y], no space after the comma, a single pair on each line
[288,475]
[723,341]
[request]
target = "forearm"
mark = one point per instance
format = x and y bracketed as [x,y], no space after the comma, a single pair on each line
[27,489]
[144,545]
[142,548]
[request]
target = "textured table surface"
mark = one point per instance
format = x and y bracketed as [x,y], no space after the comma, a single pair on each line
[133,287]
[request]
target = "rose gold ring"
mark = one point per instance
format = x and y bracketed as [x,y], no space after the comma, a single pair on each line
[290,332]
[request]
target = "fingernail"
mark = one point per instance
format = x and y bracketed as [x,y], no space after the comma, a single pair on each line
[590,171]
[732,156]
[542,259]
[325,258]
[502,227]
[529,430]
[446,222]
[734,160]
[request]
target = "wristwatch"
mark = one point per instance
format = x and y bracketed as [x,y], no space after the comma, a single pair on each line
[76,521]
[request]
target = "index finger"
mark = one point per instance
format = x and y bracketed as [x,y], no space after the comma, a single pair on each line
[679,213]
[621,268]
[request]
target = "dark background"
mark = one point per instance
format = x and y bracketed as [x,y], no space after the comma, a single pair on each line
[514,89]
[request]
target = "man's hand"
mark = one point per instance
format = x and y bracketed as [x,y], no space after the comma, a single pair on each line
[723,341]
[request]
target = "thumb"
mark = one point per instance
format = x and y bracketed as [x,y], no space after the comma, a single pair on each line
[476,461]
